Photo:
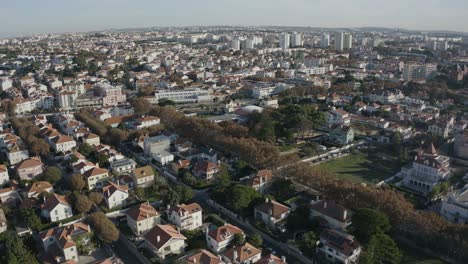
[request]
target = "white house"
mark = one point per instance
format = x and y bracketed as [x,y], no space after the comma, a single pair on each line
[158,148]
[122,166]
[56,208]
[65,238]
[4,177]
[143,176]
[142,218]
[338,247]
[242,254]
[147,121]
[3,221]
[271,213]
[186,216]
[29,168]
[17,153]
[336,215]
[337,117]
[39,187]
[62,143]
[96,177]
[164,240]
[219,239]
[455,207]
[115,195]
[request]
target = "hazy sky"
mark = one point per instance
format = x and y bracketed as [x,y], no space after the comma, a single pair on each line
[19,17]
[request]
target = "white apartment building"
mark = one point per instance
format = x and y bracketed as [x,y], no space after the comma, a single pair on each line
[185,96]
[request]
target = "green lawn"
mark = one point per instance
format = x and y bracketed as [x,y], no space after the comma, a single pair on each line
[359,168]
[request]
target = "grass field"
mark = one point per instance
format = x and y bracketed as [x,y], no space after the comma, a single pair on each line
[369,168]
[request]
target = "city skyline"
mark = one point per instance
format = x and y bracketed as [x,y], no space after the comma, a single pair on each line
[51,16]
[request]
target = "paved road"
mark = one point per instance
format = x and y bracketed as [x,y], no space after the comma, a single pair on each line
[122,251]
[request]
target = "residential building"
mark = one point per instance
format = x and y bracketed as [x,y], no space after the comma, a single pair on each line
[4,177]
[17,153]
[419,72]
[205,170]
[143,176]
[284,40]
[261,181]
[56,208]
[337,117]
[296,40]
[122,166]
[39,187]
[242,254]
[3,221]
[142,218]
[196,95]
[95,178]
[62,143]
[115,195]
[186,216]
[426,171]
[442,128]
[461,145]
[272,259]
[29,168]
[339,41]
[219,239]
[342,135]
[61,242]
[92,139]
[164,240]
[158,148]
[147,121]
[336,216]
[205,257]
[338,247]
[272,213]
[455,206]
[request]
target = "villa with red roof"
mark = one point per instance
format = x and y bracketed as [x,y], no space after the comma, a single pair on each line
[164,240]
[142,218]
[56,208]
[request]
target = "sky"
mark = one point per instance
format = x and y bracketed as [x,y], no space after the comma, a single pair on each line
[25,17]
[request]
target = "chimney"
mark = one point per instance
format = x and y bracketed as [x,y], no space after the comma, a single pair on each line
[270,212]
[283,259]
[235,255]
[158,238]
[345,214]
[325,204]
[266,199]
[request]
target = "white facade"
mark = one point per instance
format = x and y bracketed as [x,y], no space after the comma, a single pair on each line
[284,40]
[455,206]
[185,96]
[58,213]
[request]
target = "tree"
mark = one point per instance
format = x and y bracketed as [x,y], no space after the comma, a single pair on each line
[367,222]
[298,219]
[308,242]
[77,182]
[184,192]
[163,102]
[82,203]
[85,149]
[239,239]
[381,249]
[117,136]
[141,105]
[14,251]
[31,218]
[282,188]
[223,179]
[52,174]
[103,227]
[240,196]
[255,240]
[95,197]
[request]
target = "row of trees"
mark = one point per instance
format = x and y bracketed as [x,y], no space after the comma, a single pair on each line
[31,135]
[425,229]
